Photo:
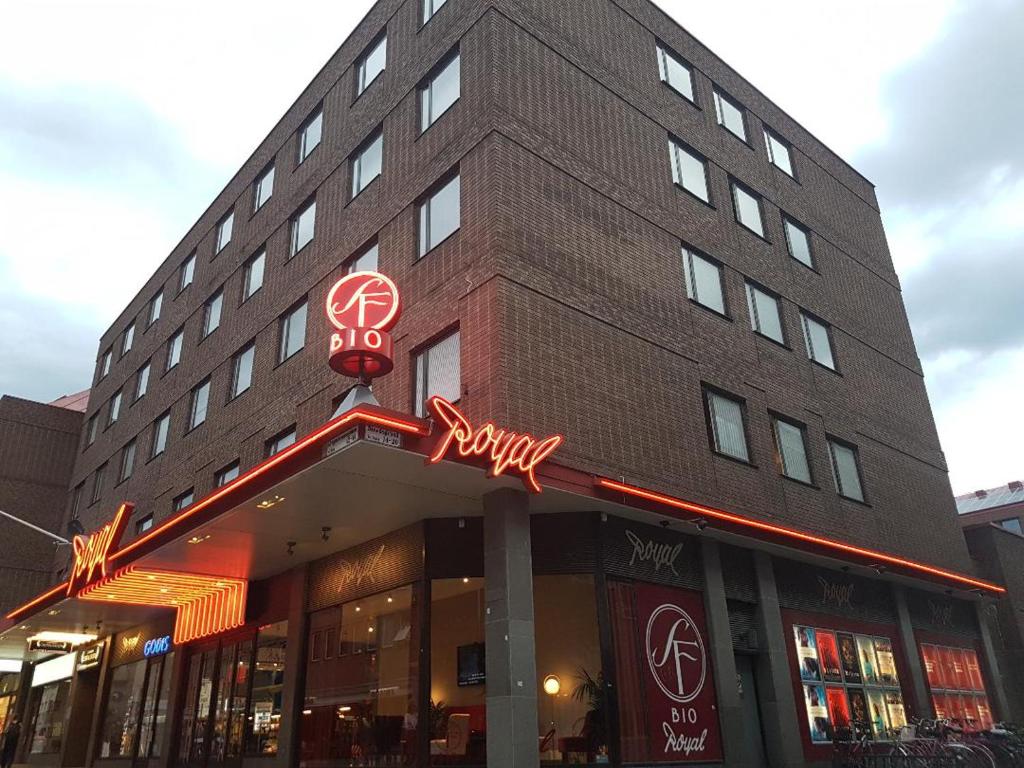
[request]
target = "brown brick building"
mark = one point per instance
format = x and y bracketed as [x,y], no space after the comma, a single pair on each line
[599,230]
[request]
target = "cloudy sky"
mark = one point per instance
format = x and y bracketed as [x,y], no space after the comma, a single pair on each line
[121,119]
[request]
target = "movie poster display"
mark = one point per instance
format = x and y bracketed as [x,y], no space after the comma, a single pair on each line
[828,657]
[868,663]
[807,654]
[886,662]
[957,687]
[848,659]
[818,719]
[878,713]
[838,708]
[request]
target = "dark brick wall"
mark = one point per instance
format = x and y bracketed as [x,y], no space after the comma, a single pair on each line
[565,279]
[37,453]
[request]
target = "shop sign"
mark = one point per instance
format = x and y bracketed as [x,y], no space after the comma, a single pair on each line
[835,594]
[157,646]
[90,657]
[681,705]
[341,442]
[60,646]
[506,451]
[92,553]
[354,574]
[363,307]
[381,436]
[657,554]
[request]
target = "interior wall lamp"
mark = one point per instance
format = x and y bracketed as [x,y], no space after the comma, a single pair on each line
[552,685]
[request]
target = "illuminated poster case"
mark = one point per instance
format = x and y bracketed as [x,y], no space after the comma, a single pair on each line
[850,684]
[957,687]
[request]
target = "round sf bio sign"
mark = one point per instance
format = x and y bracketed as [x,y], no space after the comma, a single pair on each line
[363,307]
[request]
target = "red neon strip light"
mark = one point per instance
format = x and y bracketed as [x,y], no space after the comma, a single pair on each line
[409,427]
[793,533]
[62,587]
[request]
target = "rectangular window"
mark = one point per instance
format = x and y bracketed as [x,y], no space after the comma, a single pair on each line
[174,349]
[704,280]
[105,362]
[310,132]
[303,223]
[224,229]
[371,64]
[748,209]
[1011,524]
[440,215]
[818,341]
[264,719]
[252,278]
[127,462]
[727,425]
[689,170]
[128,339]
[765,313]
[142,381]
[199,405]
[226,475]
[366,261]
[798,241]
[779,152]
[367,162]
[211,313]
[187,272]
[91,429]
[160,429]
[241,370]
[76,500]
[846,469]
[730,115]
[675,72]
[440,92]
[430,7]
[438,372]
[143,524]
[183,500]
[114,413]
[293,332]
[121,719]
[156,305]
[791,449]
[281,441]
[263,188]
[97,482]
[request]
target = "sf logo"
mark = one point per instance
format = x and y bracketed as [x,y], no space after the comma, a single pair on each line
[675,653]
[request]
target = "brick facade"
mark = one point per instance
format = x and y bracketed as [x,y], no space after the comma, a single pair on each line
[565,278]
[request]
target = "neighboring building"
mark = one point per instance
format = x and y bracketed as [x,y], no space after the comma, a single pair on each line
[599,230]
[992,520]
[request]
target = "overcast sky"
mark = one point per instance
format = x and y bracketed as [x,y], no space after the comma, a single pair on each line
[120,121]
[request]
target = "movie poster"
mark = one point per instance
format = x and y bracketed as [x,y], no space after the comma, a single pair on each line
[984,713]
[897,712]
[886,661]
[947,671]
[859,711]
[828,656]
[807,654]
[848,659]
[817,714]
[960,674]
[941,704]
[866,654]
[931,665]
[838,708]
[973,670]
[878,714]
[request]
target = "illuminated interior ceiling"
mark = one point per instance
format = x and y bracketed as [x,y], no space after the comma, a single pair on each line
[205,605]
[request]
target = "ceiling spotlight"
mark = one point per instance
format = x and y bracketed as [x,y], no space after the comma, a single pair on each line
[325,532]
[54,612]
[701,523]
[877,568]
[291,547]
[198,539]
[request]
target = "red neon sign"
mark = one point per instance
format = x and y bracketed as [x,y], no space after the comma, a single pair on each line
[507,451]
[93,552]
[363,306]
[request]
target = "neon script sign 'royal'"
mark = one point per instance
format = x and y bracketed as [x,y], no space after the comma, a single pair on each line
[92,552]
[507,451]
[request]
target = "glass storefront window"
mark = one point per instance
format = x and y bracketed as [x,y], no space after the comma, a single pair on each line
[458,688]
[222,707]
[957,688]
[267,689]
[571,695]
[850,685]
[188,716]
[154,709]
[361,689]
[48,727]
[124,702]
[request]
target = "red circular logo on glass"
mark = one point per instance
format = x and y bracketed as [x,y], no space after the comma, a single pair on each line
[363,300]
[675,653]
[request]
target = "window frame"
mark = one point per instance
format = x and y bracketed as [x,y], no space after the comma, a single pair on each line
[735,187]
[283,328]
[193,404]
[755,315]
[247,291]
[226,222]
[187,272]
[358,185]
[833,442]
[179,337]
[114,405]
[787,222]
[304,150]
[665,52]
[806,318]
[349,265]
[708,392]
[236,360]
[780,459]
[425,91]
[177,503]
[127,338]
[165,419]
[216,298]
[148,368]
[98,478]
[258,201]
[677,145]
[423,214]
[689,274]
[422,352]
[144,524]
[126,466]
[272,445]
[220,478]
[294,249]
[429,9]
[106,363]
[156,303]
[92,429]
[722,97]
[769,135]
[362,83]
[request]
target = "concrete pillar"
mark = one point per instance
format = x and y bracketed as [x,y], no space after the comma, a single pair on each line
[921,705]
[293,697]
[723,660]
[774,676]
[512,726]
[994,681]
